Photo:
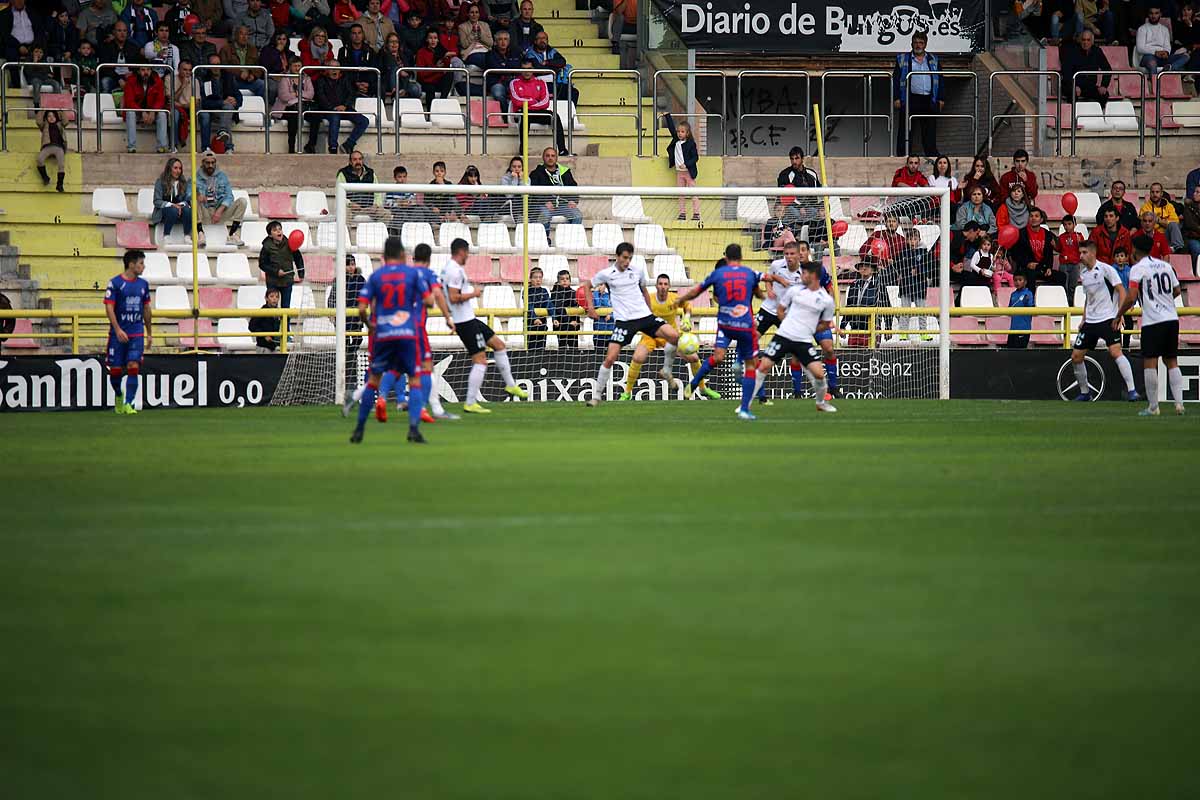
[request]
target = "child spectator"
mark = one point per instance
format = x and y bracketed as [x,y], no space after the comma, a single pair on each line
[54,145]
[87,61]
[538,298]
[1123,267]
[981,260]
[1068,252]
[445,205]
[40,78]
[563,297]
[916,270]
[1002,271]
[683,156]
[1021,297]
[281,265]
[267,325]
[404,205]
[480,205]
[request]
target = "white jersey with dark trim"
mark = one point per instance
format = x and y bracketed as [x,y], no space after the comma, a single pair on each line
[1156,282]
[780,270]
[804,309]
[627,292]
[1098,284]
[455,277]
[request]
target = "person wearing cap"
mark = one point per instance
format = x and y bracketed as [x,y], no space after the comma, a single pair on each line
[215,196]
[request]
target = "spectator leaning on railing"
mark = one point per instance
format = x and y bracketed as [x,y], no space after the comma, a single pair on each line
[1168,218]
[54,145]
[1085,58]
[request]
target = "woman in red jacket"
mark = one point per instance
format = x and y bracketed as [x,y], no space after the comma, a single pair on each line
[144,92]
[433,54]
[316,51]
[527,89]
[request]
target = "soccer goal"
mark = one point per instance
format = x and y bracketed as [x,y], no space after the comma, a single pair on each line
[534,250]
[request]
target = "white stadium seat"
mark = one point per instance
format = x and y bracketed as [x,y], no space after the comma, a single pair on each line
[605,238]
[171,298]
[649,239]
[251,296]
[183,269]
[1090,117]
[537,239]
[550,266]
[158,269]
[242,194]
[412,113]
[449,231]
[253,233]
[369,107]
[327,236]
[673,266]
[753,210]
[235,325]
[145,203]
[312,205]
[447,114]
[370,236]
[494,238]
[628,208]
[253,113]
[1050,297]
[1121,116]
[571,238]
[233,269]
[976,297]
[498,297]
[109,201]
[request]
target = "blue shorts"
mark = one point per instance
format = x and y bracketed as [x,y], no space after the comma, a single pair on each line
[398,355]
[746,340]
[122,353]
[824,336]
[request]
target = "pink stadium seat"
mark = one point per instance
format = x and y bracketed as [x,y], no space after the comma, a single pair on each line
[1171,86]
[1051,203]
[932,296]
[21,340]
[216,297]
[1165,118]
[1064,117]
[512,269]
[479,269]
[494,119]
[998,324]
[966,324]
[1003,295]
[319,269]
[1052,324]
[1182,263]
[275,205]
[196,333]
[1053,62]
[588,266]
[134,234]
[1118,57]
[62,102]
[1130,86]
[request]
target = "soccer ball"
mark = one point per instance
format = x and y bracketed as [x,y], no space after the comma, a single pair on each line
[689,344]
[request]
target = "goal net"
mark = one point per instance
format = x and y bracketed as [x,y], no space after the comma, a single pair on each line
[532,268]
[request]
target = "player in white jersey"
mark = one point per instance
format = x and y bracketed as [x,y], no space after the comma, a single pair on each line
[630,309]
[474,333]
[1100,320]
[1155,284]
[783,273]
[804,311]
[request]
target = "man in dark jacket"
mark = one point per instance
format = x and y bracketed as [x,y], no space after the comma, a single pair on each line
[334,93]
[502,56]
[551,173]
[280,265]
[217,93]
[866,292]
[797,174]
[356,53]
[267,325]
[119,51]
[524,28]
[1085,57]
[197,49]
[20,27]
[1127,213]
[357,171]
[354,285]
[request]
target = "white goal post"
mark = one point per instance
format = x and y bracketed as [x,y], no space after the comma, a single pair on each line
[934,202]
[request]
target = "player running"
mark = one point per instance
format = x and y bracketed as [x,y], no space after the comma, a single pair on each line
[735,286]
[663,306]
[1100,320]
[392,304]
[474,333]
[631,312]
[127,304]
[786,273]
[805,310]
[1155,284]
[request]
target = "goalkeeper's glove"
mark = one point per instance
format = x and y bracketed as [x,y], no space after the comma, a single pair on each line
[685,322]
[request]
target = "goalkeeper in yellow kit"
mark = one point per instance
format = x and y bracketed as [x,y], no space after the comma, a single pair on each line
[663,305]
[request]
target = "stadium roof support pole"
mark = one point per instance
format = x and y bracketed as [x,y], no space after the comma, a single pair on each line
[339,291]
[195,234]
[525,215]
[828,210]
[944,296]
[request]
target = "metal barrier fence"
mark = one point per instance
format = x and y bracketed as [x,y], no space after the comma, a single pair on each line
[1057,108]
[76,99]
[554,120]
[596,74]
[169,99]
[946,73]
[868,77]
[1141,118]
[1158,117]
[798,73]
[689,115]
[218,68]
[378,103]
[466,73]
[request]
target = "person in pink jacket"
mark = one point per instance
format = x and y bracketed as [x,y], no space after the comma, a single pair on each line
[529,89]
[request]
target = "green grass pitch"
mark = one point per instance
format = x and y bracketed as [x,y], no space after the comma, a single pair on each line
[905,600]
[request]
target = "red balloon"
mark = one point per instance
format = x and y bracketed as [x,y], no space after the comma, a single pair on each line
[296,239]
[840,226]
[1070,202]
[1008,236]
[880,249]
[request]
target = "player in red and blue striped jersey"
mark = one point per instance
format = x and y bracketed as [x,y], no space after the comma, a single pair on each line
[127,304]
[392,303]
[735,287]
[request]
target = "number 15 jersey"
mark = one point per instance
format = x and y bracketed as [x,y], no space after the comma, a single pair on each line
[734,287]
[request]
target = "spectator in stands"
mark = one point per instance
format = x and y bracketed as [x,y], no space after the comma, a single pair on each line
[218,95]
[345,14]
[480,205]
[142,22]
[281,265]
[546,57]
[1185,36]
[257,20]
[354,285]
[412,35]
[173,199]
[357,172]
[538,299]
[1063,19]
[217,204]
[196,48]
[1068,244]
[445,205]
[160,50]
[977,211]
[914,273]
[93,23]
[233,10]
[117,51]
[144,94]
[502,56]
[1121,264]
[796,173]
[62,38]
[390,59]
[281,14]
[335,97]
[1015,209]
[981,176]
[910,174]
[924,92]
[601,298]
[941,177]
[963,244]
[514,176]
[525,28]
[275,59]
[781,227]
[1085,57]
[356,53]
[432,54]
[474,39]
[563,298]
[268,325]
[375,26]
[1151,228]
[1190,223]
[1127,215]
[178,18]
[893,241]
[1193,180]
[683,157]
[181,102]
[1098,18]
[1153,49]
[1110,235]
[1034,253]
[239,52]
[87,61]
[529,90]
[40,79]
[404,206]
[20,28]
[1020,173]
[866,292]
[54,145]
[315,50]
[551,173]
[1168,217]
[1021,297]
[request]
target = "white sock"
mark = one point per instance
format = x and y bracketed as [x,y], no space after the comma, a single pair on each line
[758,382]
[1126,372]
[358,393]
[1175,383]
[475,382]
[819,386]
[668,357]
[1081,378]
[435,402]
[501,357]
[1152,386]
[602,378]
